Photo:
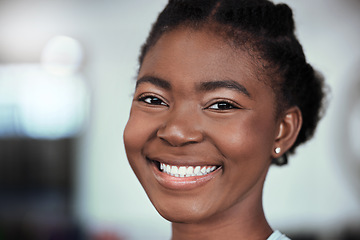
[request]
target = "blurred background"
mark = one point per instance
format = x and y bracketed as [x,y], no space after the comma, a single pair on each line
[67,70]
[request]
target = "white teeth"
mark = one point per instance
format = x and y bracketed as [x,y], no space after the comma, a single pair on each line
[190,171]
[183,171]
[197,170]
[174,170]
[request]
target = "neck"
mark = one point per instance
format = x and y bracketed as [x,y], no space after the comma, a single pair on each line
[242,221]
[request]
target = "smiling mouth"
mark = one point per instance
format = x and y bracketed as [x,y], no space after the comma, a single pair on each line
[185,171]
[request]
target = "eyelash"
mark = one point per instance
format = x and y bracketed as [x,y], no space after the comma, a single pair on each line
[159,101]
[229,105]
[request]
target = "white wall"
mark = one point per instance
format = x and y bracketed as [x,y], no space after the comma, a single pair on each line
[316,191]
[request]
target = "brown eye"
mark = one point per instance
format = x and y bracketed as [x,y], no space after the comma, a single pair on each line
[152,100]
[222,106]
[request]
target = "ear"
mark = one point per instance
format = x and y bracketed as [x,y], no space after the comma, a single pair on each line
[288,129]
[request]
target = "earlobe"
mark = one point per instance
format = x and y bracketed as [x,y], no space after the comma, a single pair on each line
[288,130]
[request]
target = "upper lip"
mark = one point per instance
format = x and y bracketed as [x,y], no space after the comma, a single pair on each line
[183,160]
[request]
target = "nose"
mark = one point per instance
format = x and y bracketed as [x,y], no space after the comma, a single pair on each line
[181,128]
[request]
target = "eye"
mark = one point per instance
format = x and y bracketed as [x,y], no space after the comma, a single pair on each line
[223,105]
[152,100]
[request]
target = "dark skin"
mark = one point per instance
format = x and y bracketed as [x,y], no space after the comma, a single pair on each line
[199,102]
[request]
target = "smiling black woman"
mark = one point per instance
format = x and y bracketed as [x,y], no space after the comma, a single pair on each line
[223,89]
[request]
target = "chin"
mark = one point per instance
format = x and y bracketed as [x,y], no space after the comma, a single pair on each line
[182,217]
[182,210]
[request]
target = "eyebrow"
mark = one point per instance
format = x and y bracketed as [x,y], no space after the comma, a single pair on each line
[229,84]
[155,81]
[204,86]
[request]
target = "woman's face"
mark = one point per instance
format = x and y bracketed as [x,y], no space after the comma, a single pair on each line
[201,129]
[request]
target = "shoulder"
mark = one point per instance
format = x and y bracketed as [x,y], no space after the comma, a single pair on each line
[277,235]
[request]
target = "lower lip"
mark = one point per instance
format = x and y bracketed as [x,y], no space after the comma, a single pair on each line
[182,183]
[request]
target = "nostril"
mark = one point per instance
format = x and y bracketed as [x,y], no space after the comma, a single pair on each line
[180,129]
[177,140]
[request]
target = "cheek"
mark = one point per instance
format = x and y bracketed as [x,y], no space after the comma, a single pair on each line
[246,138]
[136,133]
[132,136]
[140,129]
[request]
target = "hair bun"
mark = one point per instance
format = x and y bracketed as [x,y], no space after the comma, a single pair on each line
[276,20]
[184,9]
[285,15]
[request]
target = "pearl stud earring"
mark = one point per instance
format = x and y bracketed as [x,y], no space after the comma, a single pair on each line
[277,150]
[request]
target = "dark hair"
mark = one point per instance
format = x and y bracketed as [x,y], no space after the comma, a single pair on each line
[269,29]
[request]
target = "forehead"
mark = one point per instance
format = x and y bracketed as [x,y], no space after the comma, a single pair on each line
[185,55]
[196,46]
